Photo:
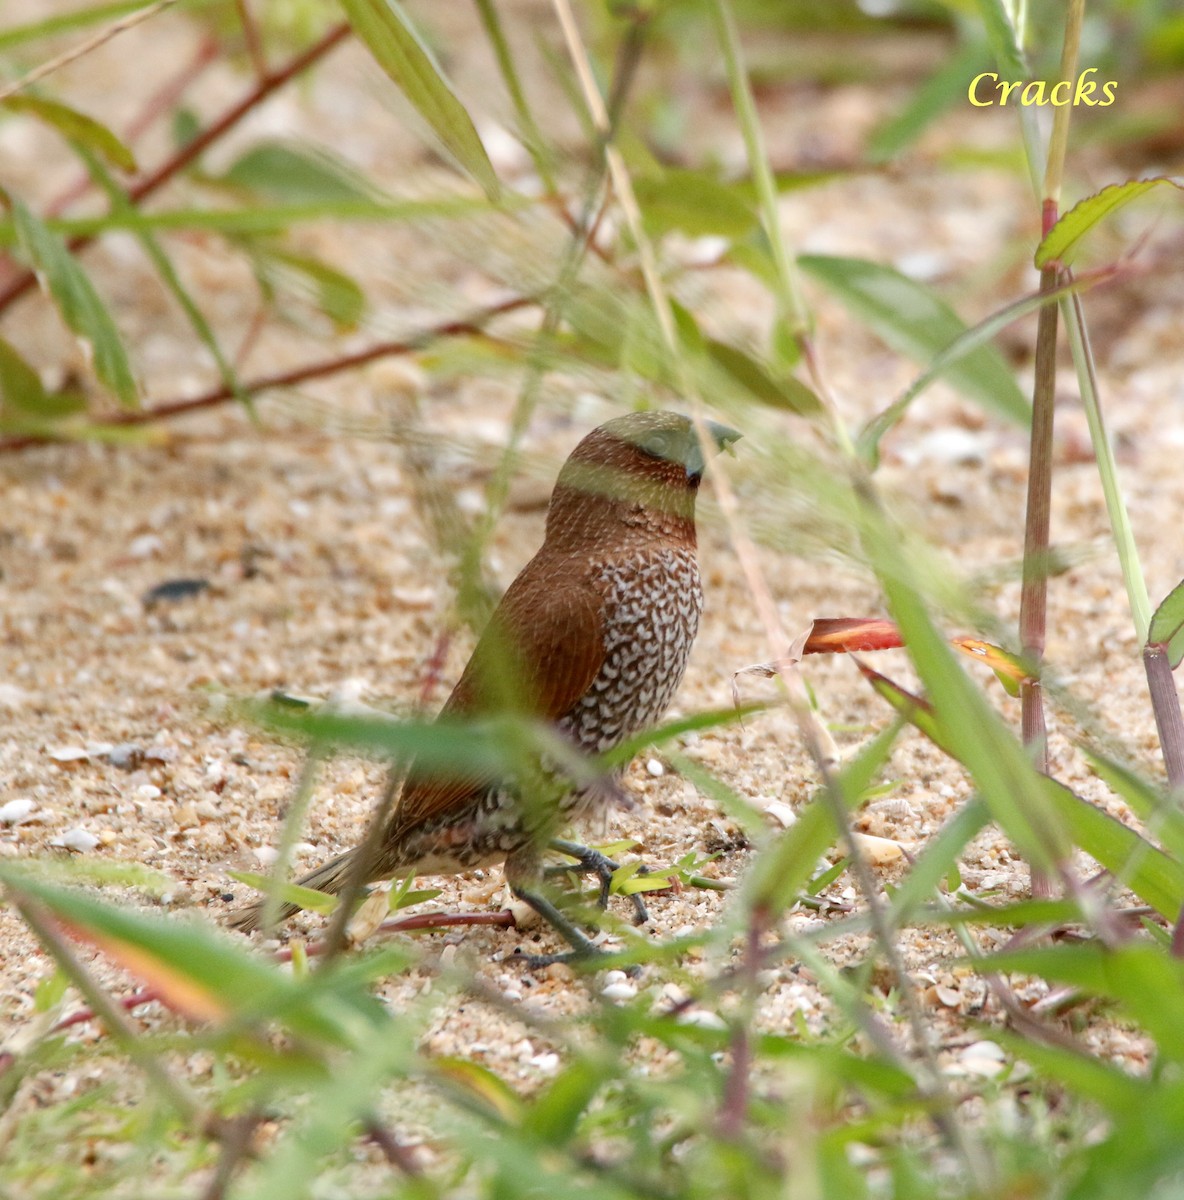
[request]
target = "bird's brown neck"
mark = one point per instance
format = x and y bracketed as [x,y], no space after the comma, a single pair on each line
[577,518]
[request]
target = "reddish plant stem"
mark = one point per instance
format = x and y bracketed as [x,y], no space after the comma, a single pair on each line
[473,325]
[1034,594]
[193,149]
[1165,703]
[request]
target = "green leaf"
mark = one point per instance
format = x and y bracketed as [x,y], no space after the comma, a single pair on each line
[784,392]
[1001,35]
[1159,813]
[50,990]
[20,385]
[75,127]
[201,971]
[1062,241]
[120,201]
[263,219]
[933,97]
[398,49]
[77,302]
[1147,982]
[938,859]
[338,296]
[978,335]
[553,1116]
[695,203]
[290,893]
[293,174]
[781,871]
[1155,877]
[914,321]
[1167,625]
[965,725]
[414,896]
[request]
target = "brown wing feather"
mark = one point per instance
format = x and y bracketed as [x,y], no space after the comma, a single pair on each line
[539,654]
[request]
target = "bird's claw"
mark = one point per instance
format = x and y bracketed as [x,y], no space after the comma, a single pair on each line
[593,862]
[574,958]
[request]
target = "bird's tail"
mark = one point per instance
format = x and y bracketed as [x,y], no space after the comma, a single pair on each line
[328,877]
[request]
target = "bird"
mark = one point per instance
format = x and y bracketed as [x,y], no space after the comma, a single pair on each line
[592,637]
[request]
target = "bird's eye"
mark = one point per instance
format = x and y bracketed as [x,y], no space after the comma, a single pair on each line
[657,444]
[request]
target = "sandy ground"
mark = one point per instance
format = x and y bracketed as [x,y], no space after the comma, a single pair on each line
[324,575]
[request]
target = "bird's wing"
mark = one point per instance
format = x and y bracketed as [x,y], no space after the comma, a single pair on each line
[542,649]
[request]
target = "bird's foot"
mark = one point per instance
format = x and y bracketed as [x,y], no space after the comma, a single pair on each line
[583,952]
[575,959]
[593,862]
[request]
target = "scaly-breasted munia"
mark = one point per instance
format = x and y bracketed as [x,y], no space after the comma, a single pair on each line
[593,636]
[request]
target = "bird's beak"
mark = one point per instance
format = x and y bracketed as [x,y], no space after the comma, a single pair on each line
[721,435]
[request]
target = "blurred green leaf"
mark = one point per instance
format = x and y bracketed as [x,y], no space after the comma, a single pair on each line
[1167,625]
[50,991]
[780,871]
[289,173]
[308,899]
[338,296]
[694,203]
[397,47]
[260,219]
[914,321]
[1148,983]
[553,1116]
[20,385]
[1155,877]
[75,127]
[120,201]
[1004,42]
[202,972]
[1158,812]
[67,22]
[1063,240]
[945,87]
[783,391]
[77,301]
[966,726]
[408,899]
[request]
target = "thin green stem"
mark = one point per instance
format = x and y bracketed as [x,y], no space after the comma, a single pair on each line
[536,144]
[1120,524]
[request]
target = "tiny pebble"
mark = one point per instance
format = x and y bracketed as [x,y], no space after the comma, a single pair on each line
[655,768]
[149,791]
[77,839]
[512,994]
[12,696]
[68,754]
[15,812]
[126,756]
[266,855]
[548,1061]
[780,813]
[173,590]
[619,991]
[702,1019]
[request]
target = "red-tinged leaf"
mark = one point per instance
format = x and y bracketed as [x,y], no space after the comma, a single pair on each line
[1061,242]
[914,709]
[1167,625]
[481,1084]
[1009,669]
[842,635]
[180,992]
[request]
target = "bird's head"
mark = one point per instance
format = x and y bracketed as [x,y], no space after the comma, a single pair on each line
[646,465]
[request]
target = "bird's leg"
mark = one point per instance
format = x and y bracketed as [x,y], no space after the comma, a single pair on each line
[522,874]
[593,862]
[582,947]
